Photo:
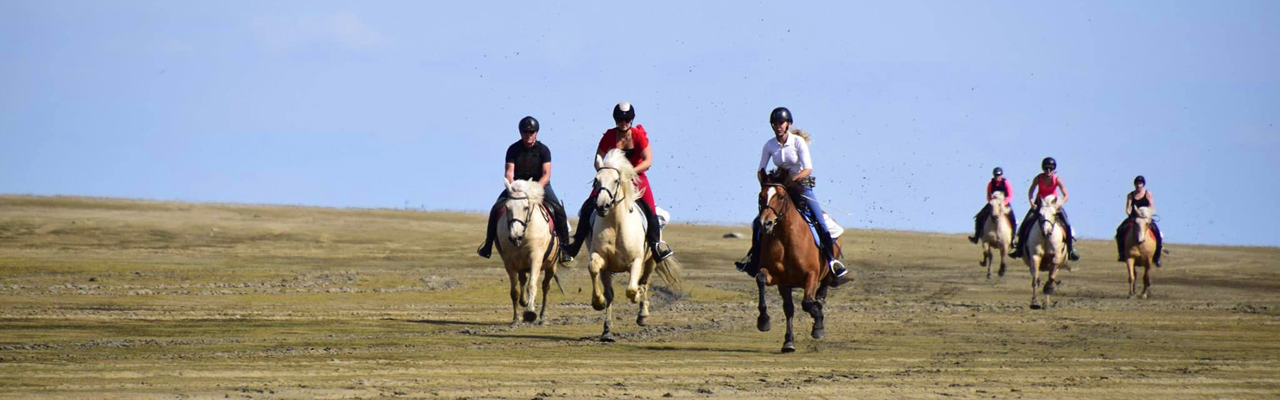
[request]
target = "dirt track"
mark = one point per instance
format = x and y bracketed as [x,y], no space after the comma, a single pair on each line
[121,299]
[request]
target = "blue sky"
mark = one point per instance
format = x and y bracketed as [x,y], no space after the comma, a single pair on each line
[412,103]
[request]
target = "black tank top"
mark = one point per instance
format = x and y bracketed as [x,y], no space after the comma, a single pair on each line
[1139,203]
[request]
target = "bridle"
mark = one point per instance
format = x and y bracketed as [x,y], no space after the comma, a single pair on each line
[614,198]
[512,220]
[765,205]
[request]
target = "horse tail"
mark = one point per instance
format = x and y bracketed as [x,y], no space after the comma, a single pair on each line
[669,270]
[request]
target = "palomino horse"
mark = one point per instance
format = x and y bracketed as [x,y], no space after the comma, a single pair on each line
[997,233]
[617,241]
[528,248]
[1046,249]
[789,258]
[1140,245]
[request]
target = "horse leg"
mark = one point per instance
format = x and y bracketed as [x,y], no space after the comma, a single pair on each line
[986,254]
[1034,261]
[633,285]
[810,305]
[789,308]
[515,297]
[1133,287]
[642,319]
[597,288]
[606,278]
[762,322]
[546,292]
[1004,251]
[531,295]
[1146,280]
[524,287]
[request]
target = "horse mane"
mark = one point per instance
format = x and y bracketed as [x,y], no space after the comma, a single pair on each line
[531,189]
[617,160]
[802,134]
[997,196]
[1146,212]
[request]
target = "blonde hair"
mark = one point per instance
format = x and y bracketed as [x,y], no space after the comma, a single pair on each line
[802,134]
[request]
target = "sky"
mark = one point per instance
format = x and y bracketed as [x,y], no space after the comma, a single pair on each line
[412,104]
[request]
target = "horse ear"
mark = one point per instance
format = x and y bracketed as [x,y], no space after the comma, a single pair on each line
[599,162]
[507,182]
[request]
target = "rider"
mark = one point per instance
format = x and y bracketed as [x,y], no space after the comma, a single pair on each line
[634,142]
[997,184]
[528,158]
[1138,198]
[1049,184]
[789,150]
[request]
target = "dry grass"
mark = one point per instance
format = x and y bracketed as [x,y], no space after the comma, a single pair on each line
[103,298]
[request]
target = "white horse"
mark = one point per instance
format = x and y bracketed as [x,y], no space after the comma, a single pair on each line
[997,233]
[528,247]
[617,241]
[1046,249]
[1140,245]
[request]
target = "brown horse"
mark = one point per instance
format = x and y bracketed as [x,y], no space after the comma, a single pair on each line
[1140,249]
[789,258]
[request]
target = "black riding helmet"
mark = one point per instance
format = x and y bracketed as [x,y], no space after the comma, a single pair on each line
[624,112]
[997,172]
[528,124]
[1139,179]
[1049,163]
[780,114]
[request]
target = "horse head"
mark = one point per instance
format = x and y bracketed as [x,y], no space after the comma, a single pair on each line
[1143,222]
[1048,215]
[997,204]
[615,182]
[773,200]
[522,197]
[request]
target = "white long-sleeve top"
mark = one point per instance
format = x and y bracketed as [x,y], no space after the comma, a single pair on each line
[793,155]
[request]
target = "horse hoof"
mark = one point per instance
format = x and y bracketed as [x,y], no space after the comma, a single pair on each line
[1001,272]
[1035,306]
[607,338]
[530,316]
[819,333]
[642,320]
[762,323]
[789,347]
[598,306]
[542,322]
[1049,288]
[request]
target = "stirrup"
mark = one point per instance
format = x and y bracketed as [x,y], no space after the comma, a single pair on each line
[662,251]
[565,258]
[838,269]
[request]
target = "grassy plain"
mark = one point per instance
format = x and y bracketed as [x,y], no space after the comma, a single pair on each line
[108,298]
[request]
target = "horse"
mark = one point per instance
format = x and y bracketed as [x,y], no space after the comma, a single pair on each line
[789,258]
[1046,250]
[1140,245]
[528,248]
[617,241]
[997,233]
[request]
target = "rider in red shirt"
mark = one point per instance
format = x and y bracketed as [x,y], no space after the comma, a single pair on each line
[634,142]
[997,184]
[1048,184]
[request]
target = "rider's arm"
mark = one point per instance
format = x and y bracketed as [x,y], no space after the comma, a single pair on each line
[764,162]
[806,162]
[546,174]
[1151,200]
[1063,188]
[1128,203]
[990,185]
[1032,190]
[511,172]
[646,162]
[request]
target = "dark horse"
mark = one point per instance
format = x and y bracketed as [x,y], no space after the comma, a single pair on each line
[789,258]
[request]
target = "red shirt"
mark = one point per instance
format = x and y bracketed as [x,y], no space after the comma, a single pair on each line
[639,141]
[1047,186]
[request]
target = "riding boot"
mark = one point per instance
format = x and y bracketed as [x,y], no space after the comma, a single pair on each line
[653,236]
[561,228]
[1071,236]
[491,232]
[977,223]
[1159,244]
[1020,249]
[751,264]
[584,228]
[1120,240]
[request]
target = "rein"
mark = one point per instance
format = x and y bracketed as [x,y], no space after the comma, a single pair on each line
[776,212]
[511,222]
[614,199]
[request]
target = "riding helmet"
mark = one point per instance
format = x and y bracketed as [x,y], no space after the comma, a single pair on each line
[624,112]
[1140,179]
[528,124]
[997,172]
[1049,163]
[780,114]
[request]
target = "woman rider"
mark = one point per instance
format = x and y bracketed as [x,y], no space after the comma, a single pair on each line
[789,151]
[528,158]
[1049,183]
[634,142]
[1138,198]
[997,184]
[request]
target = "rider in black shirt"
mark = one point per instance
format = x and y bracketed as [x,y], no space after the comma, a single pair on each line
[528,158]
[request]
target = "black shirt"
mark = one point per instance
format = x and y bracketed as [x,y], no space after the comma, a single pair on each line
[528,160]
